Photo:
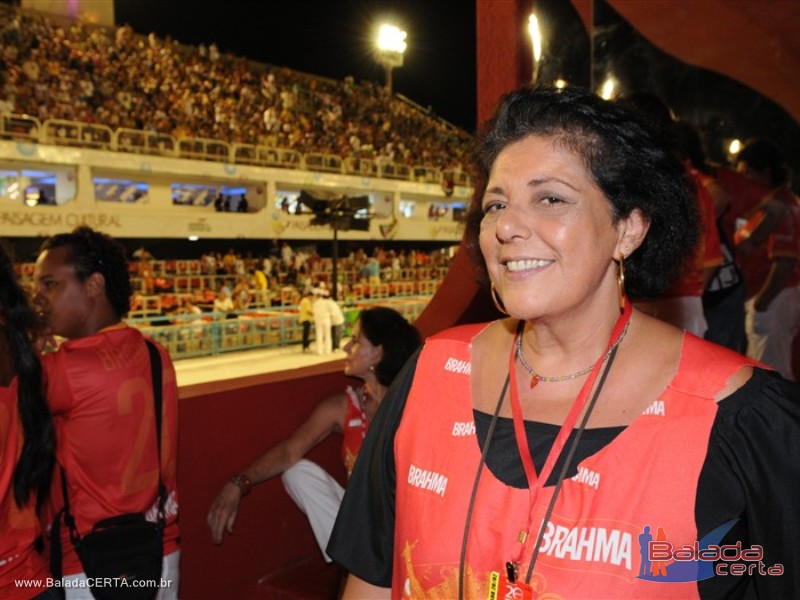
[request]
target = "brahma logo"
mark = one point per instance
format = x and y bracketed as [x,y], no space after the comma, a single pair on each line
[427,480]
[589,544]
[597,545]
[454,365]
[666,563]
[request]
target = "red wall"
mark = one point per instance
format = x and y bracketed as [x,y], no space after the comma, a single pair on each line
[222,429]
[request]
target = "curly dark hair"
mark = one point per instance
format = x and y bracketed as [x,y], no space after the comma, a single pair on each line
[90,252]
[388,328]
[628,162]
[18,326]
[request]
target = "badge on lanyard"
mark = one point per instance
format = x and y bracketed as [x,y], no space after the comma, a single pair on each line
[506,587]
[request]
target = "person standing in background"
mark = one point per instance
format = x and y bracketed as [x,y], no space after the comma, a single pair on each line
[26,443]
[768,244]
[322,320]
[681,304]
[259,284]
[337,322]
[100,391]
[723,297]
[306,317]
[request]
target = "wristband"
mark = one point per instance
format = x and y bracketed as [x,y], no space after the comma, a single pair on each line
[243,482]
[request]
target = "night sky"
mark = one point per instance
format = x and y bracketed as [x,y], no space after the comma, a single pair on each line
[334,39]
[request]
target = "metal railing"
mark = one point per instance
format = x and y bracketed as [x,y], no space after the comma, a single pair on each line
[210,334]
[88,135]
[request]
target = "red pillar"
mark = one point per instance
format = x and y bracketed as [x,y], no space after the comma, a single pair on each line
[503,64]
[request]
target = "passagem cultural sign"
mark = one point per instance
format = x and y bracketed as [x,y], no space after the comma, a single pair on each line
[64,220]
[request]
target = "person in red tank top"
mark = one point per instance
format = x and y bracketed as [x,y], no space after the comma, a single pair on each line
[524,457]
[768,244]
[381,342]
[26,444]
[100,392]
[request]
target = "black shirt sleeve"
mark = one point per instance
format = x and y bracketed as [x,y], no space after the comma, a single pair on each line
[752,473]
[362,540]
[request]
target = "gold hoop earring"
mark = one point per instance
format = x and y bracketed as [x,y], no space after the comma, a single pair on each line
[498,304]
[621,282]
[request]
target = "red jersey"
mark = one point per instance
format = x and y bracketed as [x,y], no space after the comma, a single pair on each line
[783,242]
[100,392]
[744,194]
[645,477]
[19,527]
[355,429]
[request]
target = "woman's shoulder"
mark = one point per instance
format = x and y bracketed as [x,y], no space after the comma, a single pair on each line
[763,395]
[711,370]
[332,409]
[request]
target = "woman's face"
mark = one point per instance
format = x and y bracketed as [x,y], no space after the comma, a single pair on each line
[361,354]
[547,234]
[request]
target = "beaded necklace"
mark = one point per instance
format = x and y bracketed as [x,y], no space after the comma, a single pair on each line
[537,377]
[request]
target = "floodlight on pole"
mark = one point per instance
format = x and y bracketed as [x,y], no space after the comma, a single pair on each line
[536,41]
[390,46]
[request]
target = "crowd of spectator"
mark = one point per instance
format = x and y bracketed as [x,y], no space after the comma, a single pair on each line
[241,280]
[122,79]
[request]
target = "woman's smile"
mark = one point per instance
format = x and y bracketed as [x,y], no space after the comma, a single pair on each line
[525,265]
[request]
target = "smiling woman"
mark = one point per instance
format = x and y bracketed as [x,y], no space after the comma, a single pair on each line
[578,205]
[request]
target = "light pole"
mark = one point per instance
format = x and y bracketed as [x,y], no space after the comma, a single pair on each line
[389,50]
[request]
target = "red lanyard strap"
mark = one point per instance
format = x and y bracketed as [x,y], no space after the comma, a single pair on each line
[536,483]
[565,467]
[522,441]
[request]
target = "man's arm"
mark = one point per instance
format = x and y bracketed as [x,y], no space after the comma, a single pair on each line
[326,418]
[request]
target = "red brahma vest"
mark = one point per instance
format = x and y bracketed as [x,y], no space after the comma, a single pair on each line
[647,476]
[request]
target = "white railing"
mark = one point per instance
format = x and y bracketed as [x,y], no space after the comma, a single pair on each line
[73,133]
[87,135]
[20,127]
